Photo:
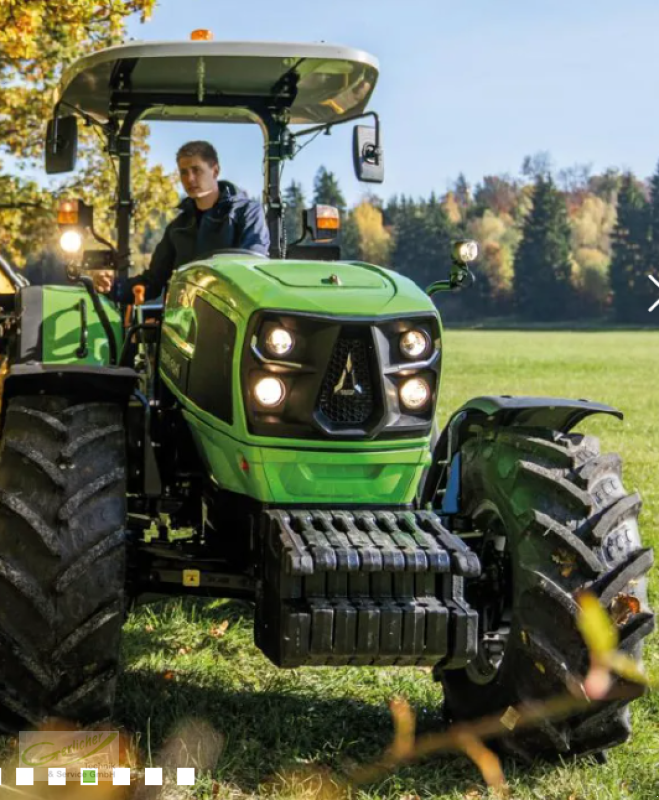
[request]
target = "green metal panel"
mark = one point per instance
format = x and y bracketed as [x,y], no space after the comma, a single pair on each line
[276,469]
[248,284]
[61,327]
[297,474]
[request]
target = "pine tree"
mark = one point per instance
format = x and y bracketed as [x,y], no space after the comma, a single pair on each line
[422,241]
[543,264]
[632,250]
[295,204]
[326,190]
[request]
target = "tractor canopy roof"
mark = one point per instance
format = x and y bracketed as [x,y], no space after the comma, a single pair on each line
[208,81]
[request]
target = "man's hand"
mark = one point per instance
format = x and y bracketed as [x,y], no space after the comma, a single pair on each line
[103,280]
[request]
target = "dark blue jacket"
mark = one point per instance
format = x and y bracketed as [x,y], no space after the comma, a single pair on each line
[233,222]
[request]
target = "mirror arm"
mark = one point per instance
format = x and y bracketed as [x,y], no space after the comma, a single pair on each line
[328,125]
[89,120]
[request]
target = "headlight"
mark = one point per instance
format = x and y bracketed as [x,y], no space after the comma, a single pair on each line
[279,342]
[415,393]
[70,241]
[413,344]
[269,392]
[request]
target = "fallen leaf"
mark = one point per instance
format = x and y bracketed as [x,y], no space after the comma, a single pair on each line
[218,631]
[169,675]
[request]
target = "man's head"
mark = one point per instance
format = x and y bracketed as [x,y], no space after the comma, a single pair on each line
[199,169]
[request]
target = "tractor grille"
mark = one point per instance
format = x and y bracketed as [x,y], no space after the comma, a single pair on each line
[346,397]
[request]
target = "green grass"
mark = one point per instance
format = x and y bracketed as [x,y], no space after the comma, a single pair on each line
[276,722]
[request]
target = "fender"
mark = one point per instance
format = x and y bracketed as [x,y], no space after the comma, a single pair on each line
[113,384]
[556,413]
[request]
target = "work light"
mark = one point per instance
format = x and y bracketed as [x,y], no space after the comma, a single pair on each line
[415,393]
[70,241]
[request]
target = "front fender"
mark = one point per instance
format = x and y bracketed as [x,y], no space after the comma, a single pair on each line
[503,411]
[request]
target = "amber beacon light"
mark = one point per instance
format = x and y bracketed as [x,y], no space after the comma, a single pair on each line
[201,35]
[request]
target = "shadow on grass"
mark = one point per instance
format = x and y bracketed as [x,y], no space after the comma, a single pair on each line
[268,733]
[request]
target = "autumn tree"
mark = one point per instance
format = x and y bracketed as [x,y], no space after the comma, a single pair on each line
[631,251]
[365,237]
[38,39]
[543,263]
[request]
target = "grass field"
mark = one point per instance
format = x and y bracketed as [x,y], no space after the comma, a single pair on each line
[181,664]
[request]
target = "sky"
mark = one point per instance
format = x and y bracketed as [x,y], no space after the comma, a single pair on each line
[470,86]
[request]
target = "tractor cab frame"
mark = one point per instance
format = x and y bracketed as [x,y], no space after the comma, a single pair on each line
[272,85]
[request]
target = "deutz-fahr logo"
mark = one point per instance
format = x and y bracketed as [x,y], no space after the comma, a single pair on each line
[347,385]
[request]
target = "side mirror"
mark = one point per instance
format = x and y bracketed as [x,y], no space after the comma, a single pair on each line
[367,155]
[61,144]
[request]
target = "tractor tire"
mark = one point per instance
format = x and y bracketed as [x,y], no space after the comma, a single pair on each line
[62,559]
[556,521]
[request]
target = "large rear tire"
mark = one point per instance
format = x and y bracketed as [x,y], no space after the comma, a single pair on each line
[62,559]
[556,521]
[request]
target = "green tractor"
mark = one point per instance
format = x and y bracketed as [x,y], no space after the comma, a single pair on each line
[268,432]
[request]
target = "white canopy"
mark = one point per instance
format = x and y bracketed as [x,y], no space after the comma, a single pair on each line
[332,81]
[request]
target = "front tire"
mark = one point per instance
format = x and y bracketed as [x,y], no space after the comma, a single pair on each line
[62,559]
[556,521]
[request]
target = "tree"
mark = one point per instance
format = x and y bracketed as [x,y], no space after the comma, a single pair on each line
[326,190]
[543,263]
[295,205]
[631,252]
[372,238]
[38,39]
[422,241]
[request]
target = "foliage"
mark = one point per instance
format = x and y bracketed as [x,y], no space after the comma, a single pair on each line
[326,190]
[372,241]
[543,264]
[295,205]
[38,40]
[631,243]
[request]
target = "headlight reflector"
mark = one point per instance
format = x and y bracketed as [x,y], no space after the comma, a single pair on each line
[413,344]
[279,342]
[269,392]
[70,241]
[415,393]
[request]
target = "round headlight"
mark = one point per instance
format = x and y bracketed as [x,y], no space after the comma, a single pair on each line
[70,241]
[413,344]
[279,342]
[269,392]
[415,393]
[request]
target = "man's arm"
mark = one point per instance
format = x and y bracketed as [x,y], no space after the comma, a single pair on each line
[254,234]
[154,278]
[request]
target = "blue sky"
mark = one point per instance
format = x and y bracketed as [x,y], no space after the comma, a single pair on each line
[469,86]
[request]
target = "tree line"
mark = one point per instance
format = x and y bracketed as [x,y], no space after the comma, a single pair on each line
[566,245]
[555,245]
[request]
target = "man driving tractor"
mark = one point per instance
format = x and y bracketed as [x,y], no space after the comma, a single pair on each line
[215,215]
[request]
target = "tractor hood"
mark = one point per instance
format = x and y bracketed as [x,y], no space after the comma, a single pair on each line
[342,288]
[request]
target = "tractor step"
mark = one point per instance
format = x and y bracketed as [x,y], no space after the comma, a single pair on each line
[376,588]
